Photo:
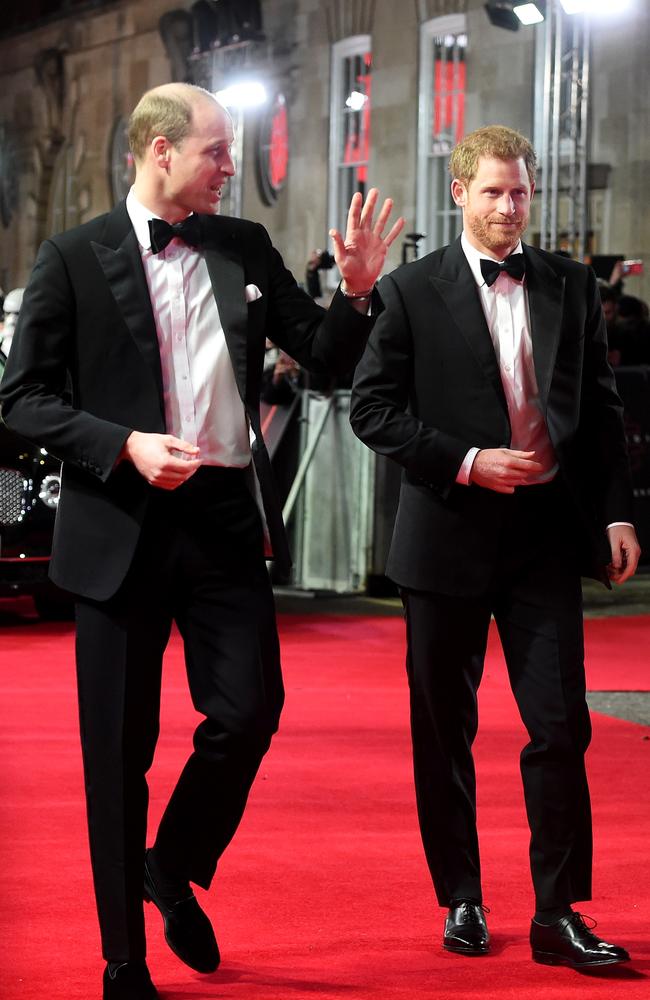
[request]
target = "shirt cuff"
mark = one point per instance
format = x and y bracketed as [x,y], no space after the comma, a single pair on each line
[620,524]
[463,474]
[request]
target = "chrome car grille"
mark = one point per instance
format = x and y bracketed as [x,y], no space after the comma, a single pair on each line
[13,496]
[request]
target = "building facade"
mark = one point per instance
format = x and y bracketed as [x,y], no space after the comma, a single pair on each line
[359,93]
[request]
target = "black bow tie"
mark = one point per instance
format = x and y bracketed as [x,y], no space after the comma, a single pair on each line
[161,233]
[514,265]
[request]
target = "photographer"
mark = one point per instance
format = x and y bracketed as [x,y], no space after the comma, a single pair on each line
[319,260]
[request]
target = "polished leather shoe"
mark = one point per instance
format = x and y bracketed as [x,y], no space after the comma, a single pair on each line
[466,929]
[188,932]
[571,942]
[130,981]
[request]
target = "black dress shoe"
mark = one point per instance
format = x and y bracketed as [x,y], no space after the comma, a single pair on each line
[188,931]
[466,929]
[130,981]
[571,942]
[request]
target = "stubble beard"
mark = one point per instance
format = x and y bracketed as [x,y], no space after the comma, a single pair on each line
[498,239]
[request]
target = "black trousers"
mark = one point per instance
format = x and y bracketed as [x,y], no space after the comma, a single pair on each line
[535,598]
[199,563]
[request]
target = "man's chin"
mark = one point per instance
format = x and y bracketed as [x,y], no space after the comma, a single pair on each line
[504,236]
[503,232]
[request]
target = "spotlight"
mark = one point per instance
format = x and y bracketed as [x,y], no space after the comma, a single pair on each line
[247,94]
[356,100]
[501,14]
[530,13]
[511,13]
[595,6]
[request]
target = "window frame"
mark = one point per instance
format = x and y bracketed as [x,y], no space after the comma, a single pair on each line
[449,24]
[354,45]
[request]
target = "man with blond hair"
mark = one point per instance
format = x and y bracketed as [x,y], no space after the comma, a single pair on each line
[486,378]
[156,315]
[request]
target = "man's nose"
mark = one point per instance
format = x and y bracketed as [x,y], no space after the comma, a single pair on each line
[506,205]
[228,166]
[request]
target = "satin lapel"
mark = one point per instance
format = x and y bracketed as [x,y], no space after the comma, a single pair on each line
[545,302]
[456,286]
[226,272]
[122,264]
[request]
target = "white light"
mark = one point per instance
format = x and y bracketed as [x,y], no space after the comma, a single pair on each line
[461,41]
[356,100]
[595,6]
[242,95]
[528,13]
[49,491]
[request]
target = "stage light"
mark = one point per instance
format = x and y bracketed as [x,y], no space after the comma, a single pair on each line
[501,14]
[530,13]
[356,100]
[242,95]
[595,6]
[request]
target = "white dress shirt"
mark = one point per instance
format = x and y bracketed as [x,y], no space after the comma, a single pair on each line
[505,304]
[202,403]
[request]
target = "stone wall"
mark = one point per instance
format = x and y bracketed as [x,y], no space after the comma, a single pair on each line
[63,85]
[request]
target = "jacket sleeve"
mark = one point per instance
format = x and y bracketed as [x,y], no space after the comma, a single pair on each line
[382,410]
[601,420]
[322,341]
[34,399]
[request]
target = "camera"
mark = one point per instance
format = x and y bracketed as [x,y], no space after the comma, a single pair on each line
[325,261]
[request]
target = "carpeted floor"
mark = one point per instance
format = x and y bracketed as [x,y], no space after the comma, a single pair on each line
[324,892]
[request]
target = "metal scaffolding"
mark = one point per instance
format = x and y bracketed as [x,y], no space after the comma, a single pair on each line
[562,114]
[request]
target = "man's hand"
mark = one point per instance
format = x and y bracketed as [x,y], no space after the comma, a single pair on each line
[154,457]
[625,552]
[501,469]
[284,366]
[360,257]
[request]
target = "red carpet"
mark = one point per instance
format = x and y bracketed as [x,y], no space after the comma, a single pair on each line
[618,654]
[324,892]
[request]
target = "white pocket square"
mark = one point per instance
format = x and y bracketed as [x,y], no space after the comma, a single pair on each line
[252,293]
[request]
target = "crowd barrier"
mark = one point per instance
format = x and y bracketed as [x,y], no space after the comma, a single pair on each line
[341,499]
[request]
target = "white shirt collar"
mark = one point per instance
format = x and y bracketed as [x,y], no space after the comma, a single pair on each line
[474,258]
[139,215]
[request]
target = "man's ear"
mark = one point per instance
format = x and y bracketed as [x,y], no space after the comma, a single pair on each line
[459,193]
[160,149]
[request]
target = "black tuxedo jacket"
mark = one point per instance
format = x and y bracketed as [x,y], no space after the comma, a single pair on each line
[428,389]
[85,370]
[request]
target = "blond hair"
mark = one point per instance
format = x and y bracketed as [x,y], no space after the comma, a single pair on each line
[165,110]
[495,141]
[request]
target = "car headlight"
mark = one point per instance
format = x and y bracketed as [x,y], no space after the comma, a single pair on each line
[49,491]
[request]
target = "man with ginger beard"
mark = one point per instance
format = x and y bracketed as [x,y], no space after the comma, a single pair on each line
[486,378]
[156,315]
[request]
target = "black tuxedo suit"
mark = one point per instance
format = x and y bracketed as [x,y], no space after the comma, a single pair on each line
[428,389]
[87,315]
[84,371]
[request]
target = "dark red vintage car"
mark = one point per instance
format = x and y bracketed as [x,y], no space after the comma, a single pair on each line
[30,482]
